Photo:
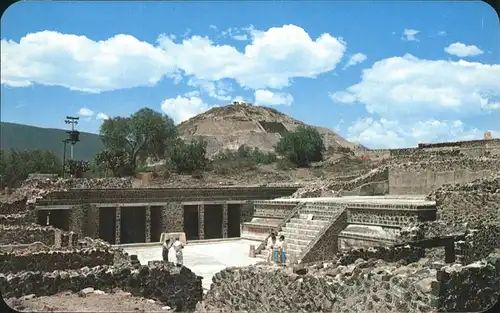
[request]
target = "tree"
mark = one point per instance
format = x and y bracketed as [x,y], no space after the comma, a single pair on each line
[116,161]
[76,168]
[188,157]
[145,133]
[302,146]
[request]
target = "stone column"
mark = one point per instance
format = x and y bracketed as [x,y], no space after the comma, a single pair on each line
[173,218]
[148,223]
[201,221]
[118,224]
[224,219]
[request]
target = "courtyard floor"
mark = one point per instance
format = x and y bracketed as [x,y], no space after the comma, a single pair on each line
[204,259]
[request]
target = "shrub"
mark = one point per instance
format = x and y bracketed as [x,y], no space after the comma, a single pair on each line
[187,157]
[302,146]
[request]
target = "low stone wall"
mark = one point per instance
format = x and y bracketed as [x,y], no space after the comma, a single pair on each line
[13,207]
[366,286]
[48,261]
[471,288]
[388,254]
[478,243]
[361,286]
[177,287]
[477,202]
[10,234]
[22,218]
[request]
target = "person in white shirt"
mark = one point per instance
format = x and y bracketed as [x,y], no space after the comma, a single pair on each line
[178,246]
[282,250]
[270,247]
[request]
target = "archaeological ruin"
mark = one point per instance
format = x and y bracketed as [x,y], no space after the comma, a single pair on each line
[418,232]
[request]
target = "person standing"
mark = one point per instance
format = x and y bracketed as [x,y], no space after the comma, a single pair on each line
[271,242]
[283,250]
[167,244]
[178,246]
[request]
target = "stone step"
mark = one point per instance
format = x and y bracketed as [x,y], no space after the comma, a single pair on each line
[308,222]
[304,226]
[297,241]
[299,234]
[323,217]
[298,247]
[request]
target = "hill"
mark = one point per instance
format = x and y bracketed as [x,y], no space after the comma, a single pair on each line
[25,137]
[228,127]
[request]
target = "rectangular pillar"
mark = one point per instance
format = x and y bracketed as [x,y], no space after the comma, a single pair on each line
[118,224]
[201,221]
[148,223]
[224,220]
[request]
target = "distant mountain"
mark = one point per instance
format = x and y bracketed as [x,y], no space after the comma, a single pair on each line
[25,137]
[228,127]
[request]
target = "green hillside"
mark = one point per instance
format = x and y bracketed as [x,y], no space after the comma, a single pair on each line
[25,137]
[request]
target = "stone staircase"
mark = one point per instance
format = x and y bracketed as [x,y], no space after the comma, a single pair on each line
[305,227]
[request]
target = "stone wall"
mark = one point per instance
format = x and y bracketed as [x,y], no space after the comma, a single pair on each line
[13,207]
[10,235]
[21,218]
[366,286]
[173,218]
[478,243]
[247,211]
[474,203]
[49,261]
[273,209]
[470,288]
[139,195]
[177,287]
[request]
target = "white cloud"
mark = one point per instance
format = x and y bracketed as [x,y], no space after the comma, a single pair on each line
[271,60]
[217,90]
[410,35]
[406,86]
[441,33]
[78,63]
[355,59]
[85,112]
[213,27]
[385,133]
[462,50]
[267,97]
[182,108]
[102,116]
[239,99]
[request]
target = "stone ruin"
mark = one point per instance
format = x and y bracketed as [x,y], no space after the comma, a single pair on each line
[411,274]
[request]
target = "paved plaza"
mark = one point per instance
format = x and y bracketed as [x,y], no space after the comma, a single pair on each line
[205,259]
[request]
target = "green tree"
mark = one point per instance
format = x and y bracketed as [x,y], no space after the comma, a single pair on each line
[188,157]
[143,134]
[115,161]
[302,146]
[76,168]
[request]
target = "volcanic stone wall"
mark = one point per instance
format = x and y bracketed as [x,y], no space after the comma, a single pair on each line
[21,218]
[367,286]
[177,287]
[49,261]
[422,177]
[471,288]
[10,235]
[362,286]
[13,207]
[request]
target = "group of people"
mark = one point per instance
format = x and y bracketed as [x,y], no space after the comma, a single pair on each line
[177,245]
[277,249]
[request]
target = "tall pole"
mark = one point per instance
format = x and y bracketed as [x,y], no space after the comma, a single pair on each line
[73,121]
[64,157]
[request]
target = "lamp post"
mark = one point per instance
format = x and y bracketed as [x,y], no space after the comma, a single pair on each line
[73,134]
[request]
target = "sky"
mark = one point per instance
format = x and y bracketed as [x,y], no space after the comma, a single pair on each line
[383,74]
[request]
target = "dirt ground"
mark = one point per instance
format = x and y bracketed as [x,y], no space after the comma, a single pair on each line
[117,301]
[337,165]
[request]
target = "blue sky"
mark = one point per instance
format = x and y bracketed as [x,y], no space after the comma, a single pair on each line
[386,74]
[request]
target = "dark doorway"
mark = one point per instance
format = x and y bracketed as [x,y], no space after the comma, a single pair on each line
[56,218]
[191,222]
[133,225]
[233,220]
[107,224]
[155,223]
[213,221]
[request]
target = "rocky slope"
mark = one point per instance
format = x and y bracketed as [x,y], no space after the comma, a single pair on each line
[228,127]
